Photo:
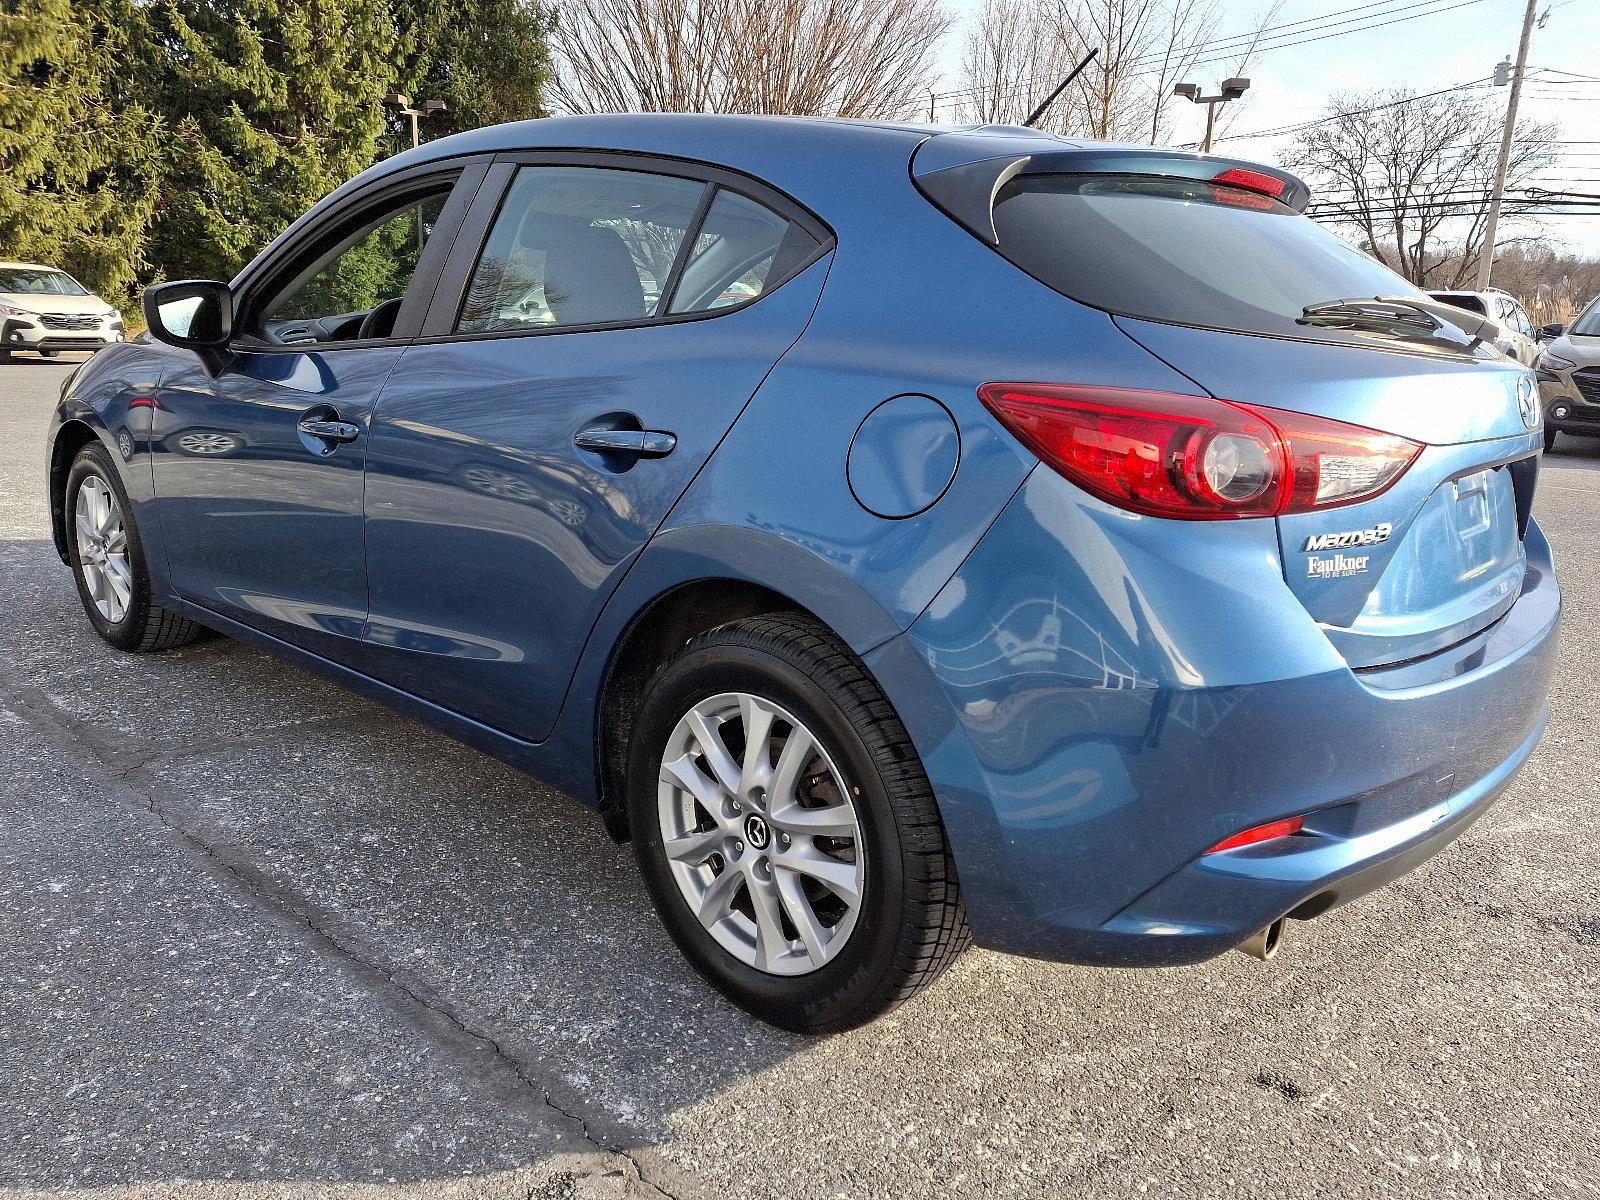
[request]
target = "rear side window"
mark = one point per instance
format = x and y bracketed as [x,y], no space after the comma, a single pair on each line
[1183,251]
[579,246]
[742,249]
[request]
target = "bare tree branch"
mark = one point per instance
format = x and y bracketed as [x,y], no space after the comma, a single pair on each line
[1412,174]
[849,58]
[1019,50]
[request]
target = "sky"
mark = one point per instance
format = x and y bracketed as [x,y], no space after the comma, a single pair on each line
[1440,44]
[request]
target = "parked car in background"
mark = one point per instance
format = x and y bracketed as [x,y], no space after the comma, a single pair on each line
[1165,595]
[1569,377]
[46,311]
[1517,338]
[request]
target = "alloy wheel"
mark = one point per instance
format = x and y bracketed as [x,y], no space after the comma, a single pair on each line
[761,834]
[102,537]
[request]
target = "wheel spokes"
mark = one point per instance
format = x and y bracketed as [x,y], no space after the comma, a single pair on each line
[683,773]
[770,942]
[812,933]
[835,820]
[716,901]
[694,847]
[756,771]
[797,750]
[777,884]
[837,876]
[715,752]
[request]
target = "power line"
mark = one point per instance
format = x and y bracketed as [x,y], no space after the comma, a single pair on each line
[1356,112]
[1242,40]
[1361,29]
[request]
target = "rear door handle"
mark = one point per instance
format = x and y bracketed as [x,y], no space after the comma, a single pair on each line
[642,443]
[330,430]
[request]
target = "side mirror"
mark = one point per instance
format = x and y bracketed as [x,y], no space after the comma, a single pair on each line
[196,314]
[1553,330]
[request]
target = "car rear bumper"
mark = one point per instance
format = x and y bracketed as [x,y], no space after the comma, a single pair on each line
[1104,724]
[1218,900]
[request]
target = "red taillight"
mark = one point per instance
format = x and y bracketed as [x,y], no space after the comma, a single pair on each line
[1253,181]
[1261,833]
[1194,457]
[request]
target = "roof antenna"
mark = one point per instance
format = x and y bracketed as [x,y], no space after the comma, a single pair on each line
[1051,98]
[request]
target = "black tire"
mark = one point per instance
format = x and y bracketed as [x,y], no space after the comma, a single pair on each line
[911,924]
[1549,439]
[145,627]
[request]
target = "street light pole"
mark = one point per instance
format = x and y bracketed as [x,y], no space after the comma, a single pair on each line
[1232,89]
[1491,226]
[402,105]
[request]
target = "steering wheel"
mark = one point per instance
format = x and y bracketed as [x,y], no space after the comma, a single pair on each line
[380,321]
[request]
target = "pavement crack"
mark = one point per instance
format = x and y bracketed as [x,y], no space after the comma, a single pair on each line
[127,779]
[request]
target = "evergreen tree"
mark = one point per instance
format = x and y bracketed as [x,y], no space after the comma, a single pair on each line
[272,104]
[79,174]
[146,139]
[488,60]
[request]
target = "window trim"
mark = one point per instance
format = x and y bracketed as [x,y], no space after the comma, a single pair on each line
[312,234]
[472,238]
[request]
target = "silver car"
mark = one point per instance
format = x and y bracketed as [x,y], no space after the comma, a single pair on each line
[1569,377]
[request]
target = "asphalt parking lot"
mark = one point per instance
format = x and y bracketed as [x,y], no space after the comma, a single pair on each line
[261,938]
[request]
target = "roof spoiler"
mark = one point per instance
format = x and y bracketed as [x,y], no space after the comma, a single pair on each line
[962,173]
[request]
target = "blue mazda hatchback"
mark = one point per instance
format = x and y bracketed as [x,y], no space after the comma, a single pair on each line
[905,535]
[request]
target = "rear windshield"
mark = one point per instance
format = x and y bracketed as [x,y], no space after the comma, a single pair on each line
[1472,304]
[1185,251]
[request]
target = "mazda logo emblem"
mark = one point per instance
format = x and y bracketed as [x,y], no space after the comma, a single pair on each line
[756,832]
[1528,402]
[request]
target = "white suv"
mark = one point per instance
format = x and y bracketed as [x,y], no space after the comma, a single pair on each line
[48,311]
[1517,337]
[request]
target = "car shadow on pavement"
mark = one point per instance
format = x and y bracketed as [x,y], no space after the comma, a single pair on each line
[254,926]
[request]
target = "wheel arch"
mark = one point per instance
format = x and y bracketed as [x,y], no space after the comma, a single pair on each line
[668,621]
[73,435]
[689,580]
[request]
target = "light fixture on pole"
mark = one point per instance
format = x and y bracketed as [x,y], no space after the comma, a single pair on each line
[1232,89]
[401,103]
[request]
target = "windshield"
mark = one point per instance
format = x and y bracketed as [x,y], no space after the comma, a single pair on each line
[1587,323]
[38,282]
[1188,252]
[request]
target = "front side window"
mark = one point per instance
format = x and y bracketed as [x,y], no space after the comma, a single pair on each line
[579,246]
[354,289]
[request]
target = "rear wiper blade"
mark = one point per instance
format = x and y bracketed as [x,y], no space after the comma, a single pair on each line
[1387,314]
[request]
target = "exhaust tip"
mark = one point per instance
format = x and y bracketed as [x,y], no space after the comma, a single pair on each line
[1264,943]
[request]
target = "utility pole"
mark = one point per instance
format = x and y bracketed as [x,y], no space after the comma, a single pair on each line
[1486,255]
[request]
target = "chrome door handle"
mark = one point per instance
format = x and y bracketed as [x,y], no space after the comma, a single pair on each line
[330,430]
[642,443]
